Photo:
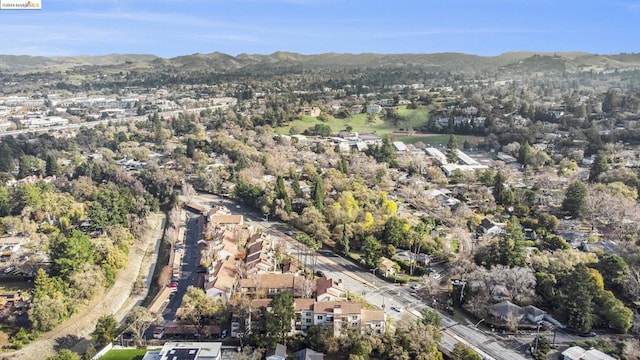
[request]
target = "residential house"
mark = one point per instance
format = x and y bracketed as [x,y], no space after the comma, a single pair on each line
[337,315]
[372,321]
[355,109]
[310,111]
[220,219]
[269,284]
[187,351]
[534,314]
[260,254]
[491,228]
[500,293]
[470,111]
[507,311]
[387,267]
[400,147]
[374,109]
[222,281]
[578,353]
[279,353]
[329,290]
[308,354]
[12,244]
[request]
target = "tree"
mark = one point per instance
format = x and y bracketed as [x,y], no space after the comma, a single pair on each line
[46,312]
[452,149]
[462,352]
[278,320]
[372,252]
[51,167]
[501,193]
[507,250]
[281,193]
[105,331]
[139,320]
[420,341]
[65,354]
[295,186]
[614,271]
[431,317]
[617,316]
[575,200]
[524,153]
[318,193]
[199,309]
[395,231]
[70,254]
[598,167]
[578,292]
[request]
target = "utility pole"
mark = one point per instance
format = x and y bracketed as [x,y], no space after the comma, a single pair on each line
[535,348]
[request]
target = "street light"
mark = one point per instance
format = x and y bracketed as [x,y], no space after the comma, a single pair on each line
[478,323]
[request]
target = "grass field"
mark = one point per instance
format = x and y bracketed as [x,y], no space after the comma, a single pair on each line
[124,354]
[414,118]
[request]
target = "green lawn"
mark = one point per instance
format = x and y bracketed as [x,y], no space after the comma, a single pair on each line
[124,354]
[359,123]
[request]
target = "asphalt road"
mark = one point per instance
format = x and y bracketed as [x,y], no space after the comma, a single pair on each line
[189,266]
[379,293]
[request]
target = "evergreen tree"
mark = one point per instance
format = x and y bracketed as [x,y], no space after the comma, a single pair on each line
[191,148]
[502,194]
[281,193]
[575,200]
[105,330]
[343,166]
[452,149]
[524,154]
[318,193]
[278,320]
[598,167]
[578,295]
[51,167]
[295,186]
[342,245]
[6,159]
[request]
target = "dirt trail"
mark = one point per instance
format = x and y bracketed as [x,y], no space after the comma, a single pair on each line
[117,300]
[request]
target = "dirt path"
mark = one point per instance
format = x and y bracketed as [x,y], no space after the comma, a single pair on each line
[117,300]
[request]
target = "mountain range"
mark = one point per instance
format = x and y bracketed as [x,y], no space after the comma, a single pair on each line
[453,62]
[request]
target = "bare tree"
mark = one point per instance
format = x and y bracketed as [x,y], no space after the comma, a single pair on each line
[188,191]
[139,320]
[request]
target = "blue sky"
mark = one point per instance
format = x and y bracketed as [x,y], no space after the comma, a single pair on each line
[178,27]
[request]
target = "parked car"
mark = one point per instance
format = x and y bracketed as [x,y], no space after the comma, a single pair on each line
[224,334]
[320,273]
[589,334]
[396,309]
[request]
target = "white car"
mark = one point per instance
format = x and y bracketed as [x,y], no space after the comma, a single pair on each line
[396,309]
[436,276]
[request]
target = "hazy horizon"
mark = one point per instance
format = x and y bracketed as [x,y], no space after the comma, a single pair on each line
[182,27]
